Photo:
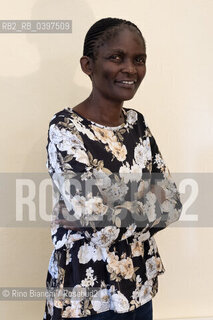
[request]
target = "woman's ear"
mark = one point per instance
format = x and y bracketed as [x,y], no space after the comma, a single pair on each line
[86,65]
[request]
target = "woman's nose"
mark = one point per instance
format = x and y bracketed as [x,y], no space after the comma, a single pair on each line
[129,67]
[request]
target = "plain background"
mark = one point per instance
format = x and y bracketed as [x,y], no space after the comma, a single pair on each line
[40,74]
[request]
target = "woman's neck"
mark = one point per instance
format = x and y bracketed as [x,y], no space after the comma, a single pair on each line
[108,114]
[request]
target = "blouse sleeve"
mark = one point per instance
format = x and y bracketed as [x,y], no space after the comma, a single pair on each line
[163,201]
[69,166]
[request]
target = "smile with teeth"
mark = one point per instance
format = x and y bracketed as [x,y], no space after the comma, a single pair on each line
[126,83]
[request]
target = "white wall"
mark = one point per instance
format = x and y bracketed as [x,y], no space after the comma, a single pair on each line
[40,74]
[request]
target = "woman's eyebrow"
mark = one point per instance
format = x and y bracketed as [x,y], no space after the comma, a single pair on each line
[123,52]
[117,50]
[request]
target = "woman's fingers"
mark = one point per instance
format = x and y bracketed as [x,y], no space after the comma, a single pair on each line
[159,192]
[68,224]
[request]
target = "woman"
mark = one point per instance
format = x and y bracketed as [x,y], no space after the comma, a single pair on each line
[112,189]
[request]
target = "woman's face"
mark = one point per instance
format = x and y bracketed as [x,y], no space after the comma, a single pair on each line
[120,59]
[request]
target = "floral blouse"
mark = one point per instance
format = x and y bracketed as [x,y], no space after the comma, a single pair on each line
[114,182]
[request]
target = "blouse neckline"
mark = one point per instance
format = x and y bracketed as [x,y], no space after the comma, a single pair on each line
[101,125]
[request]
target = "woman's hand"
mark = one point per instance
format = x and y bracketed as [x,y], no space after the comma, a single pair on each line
[71,225]
[159,192]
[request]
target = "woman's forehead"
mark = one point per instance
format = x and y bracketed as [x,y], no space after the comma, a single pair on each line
[123,42]
[124,50]
[125,35]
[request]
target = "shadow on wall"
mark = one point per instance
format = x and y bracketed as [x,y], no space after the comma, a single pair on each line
[43,86]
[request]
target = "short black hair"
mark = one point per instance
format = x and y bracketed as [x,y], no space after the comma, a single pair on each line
[103,30]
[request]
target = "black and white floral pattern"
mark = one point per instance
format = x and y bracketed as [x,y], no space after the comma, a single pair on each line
[116,256]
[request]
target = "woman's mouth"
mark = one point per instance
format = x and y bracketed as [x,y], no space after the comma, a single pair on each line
[126,83]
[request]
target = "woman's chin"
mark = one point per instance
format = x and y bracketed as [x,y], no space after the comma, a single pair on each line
[128,97]
[124,97]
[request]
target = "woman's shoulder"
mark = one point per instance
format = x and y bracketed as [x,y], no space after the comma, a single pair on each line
[134,113]
[127,109]
[62,117]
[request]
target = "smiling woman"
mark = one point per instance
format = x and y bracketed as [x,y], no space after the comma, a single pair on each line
[120,56]
[118,65]
[112,189]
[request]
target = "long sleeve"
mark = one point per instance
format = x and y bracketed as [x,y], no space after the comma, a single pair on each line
[164,205]
[69,166]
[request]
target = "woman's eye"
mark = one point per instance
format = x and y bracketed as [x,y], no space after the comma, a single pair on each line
[140,60]
[118,58]
[115,57]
